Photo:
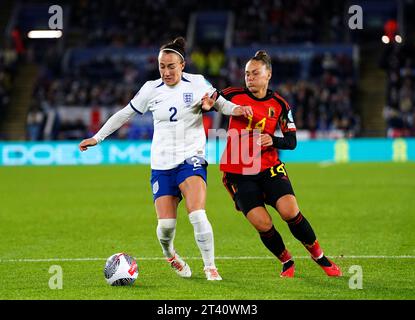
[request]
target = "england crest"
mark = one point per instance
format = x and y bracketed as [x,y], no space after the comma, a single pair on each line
[188,98]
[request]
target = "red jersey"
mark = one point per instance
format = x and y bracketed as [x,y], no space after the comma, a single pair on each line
[242,154]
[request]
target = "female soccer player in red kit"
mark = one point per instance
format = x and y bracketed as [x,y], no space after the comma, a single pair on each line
[262,178]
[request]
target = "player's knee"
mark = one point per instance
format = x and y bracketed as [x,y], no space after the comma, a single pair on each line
[288,215]
[262,224]
[287,207]
[194,205]
[195,201]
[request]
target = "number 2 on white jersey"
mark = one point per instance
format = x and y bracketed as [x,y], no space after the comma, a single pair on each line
[196,162]
[174,112]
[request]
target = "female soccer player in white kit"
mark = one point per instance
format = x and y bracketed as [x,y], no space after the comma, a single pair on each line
[178,149]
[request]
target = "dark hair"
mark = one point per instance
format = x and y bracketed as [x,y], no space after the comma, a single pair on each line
[263,56]
[177,44]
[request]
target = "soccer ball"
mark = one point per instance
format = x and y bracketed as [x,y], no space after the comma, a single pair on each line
[120,270]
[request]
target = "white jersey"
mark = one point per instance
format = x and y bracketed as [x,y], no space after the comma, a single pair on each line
[177,115]
[178,127]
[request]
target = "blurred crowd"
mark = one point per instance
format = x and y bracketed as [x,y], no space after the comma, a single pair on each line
[101,83]
[130,23]
[321,102]
[260,21]
[286,21]
[399,112]
[323,106]
[8,60]
[320,97]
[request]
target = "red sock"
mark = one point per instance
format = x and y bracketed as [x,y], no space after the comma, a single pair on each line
[314,249]
[284,256]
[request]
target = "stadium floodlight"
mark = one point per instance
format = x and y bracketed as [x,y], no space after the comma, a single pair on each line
[398,38]
[385,39]
[44,34]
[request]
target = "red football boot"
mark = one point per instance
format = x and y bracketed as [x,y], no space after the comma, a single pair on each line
[333,270]
[289,273]
[285,257]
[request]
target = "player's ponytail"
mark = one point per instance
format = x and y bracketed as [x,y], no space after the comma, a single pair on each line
[180,42]
[263,56]
[177,46]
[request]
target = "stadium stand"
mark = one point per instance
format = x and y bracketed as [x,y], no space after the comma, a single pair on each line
[399,111]
[8,60]
[104,58]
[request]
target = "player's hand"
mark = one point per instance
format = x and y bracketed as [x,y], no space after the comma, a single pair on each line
[208,102]
[83,146]
[245,111]
[264,140]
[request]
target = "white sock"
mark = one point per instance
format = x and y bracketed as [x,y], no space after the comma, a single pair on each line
[166,230]
[204,236]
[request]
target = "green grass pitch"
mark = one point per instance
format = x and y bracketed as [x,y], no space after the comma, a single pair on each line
[75,217]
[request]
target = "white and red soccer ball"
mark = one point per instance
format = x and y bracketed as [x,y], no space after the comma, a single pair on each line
[121,270]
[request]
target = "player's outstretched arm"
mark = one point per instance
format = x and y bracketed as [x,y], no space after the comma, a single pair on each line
[113,123]
[86,143]
[225,106]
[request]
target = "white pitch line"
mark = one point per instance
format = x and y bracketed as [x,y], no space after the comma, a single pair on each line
[198,258]
[325,164]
